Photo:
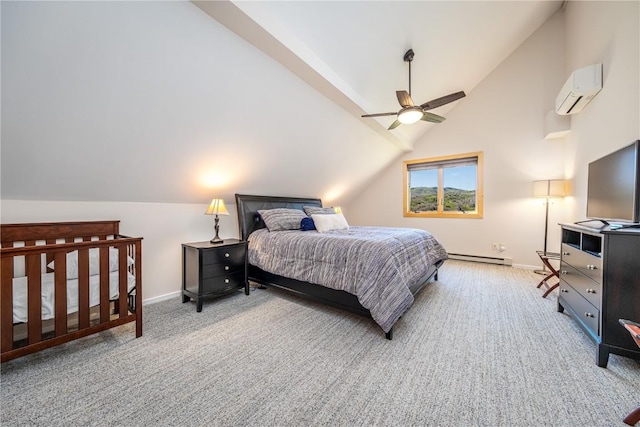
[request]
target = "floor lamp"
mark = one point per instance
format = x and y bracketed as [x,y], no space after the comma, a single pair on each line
[548,188]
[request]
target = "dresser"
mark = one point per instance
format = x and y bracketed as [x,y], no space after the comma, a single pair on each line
[212,270]
[600,284]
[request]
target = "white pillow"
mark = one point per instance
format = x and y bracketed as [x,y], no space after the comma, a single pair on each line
[94,262]
[329,222]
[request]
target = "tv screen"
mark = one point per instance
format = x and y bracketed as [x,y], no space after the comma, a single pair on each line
[613,191]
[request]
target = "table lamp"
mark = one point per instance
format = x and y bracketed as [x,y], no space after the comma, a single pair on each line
[216,208]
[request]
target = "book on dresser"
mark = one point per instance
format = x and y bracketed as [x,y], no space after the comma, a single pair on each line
[600,284]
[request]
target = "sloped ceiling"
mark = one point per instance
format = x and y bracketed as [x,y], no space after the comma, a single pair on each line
[352,51]
[158,102]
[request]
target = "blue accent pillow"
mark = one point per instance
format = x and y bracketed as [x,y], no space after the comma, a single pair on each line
[307,224]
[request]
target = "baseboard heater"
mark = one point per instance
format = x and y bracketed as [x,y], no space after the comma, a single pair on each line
[484,259]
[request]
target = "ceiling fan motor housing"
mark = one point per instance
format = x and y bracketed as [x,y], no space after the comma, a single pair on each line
[408,56]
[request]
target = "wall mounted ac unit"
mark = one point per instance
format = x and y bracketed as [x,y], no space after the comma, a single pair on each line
[581,87]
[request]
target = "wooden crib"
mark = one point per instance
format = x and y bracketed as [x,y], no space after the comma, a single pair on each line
[66,280]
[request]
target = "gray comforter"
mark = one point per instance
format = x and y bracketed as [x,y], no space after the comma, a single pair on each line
[374,263]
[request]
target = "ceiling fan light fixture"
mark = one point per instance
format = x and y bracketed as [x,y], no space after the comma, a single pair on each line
[410,115]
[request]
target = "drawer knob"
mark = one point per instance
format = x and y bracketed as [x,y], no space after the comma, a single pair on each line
[591,267]
[564,272]
[587,314]
[564,290]
[226,267]
[226,254]
[591,291]
[226,280]
[566,253]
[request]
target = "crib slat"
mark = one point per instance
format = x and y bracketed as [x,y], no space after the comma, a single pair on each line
[6,304]
[34,295]
[83,288]
[122,280]
[60,284]
[104,284]
[138,274]
[49,256]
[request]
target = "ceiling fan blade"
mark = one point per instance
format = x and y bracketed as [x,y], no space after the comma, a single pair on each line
[435,103]
[380,114]
[394,125]
[433,118]
[404,98]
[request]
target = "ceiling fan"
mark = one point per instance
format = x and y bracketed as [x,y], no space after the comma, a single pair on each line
[411,113]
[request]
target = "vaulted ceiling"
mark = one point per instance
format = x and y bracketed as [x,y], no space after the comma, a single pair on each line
[176,102]
[352,51]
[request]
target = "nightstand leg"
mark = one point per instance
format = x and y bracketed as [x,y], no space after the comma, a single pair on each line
[246,288]
[199,304]
[185,298]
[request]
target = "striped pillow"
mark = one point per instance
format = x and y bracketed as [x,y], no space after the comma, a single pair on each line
[315,210]
[282,219]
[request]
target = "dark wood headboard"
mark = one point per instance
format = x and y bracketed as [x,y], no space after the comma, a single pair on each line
[248,206]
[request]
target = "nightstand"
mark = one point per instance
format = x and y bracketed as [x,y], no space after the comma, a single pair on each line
[210,270]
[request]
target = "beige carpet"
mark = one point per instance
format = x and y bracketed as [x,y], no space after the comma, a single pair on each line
[478,347]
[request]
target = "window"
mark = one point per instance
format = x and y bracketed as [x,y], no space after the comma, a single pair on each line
[444,187]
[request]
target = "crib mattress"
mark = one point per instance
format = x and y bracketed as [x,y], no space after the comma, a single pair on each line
[48,292]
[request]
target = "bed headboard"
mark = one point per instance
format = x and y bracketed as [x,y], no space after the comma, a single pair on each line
[248,206]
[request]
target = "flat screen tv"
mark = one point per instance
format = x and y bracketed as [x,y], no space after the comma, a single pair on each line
[613,192]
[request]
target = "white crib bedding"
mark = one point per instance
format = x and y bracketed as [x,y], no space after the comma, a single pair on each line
[48,307]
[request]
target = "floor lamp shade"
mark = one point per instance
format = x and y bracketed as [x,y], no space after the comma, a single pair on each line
[549,188]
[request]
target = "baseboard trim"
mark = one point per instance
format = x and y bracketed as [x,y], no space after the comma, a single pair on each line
[483,259]
[160,298]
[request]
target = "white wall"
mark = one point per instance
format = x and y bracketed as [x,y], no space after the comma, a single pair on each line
[155,101]
[606,32]
[163,227]
[502,117]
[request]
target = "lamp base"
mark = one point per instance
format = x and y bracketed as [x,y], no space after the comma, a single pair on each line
[216,240]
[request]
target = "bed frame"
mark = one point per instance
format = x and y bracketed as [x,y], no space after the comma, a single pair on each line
[249,221]
[35,246]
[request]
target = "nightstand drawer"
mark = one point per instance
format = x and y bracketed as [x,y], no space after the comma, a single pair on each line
[223,284]
[224,255]
[227,268]
[587,287]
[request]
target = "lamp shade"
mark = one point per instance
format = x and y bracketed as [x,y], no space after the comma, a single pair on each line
[549,188]
[217,207]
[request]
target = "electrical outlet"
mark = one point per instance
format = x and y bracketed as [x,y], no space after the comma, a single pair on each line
[498,247]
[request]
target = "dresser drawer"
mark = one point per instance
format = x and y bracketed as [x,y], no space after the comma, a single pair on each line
[587,287]
[225,255]
[586,313]
[223,284]
[589,265]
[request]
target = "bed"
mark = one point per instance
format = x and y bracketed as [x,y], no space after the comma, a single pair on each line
[66,280]
[355,298]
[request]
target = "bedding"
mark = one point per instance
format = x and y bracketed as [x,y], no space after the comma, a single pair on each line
[376,264]
[20,305]
[94,262]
